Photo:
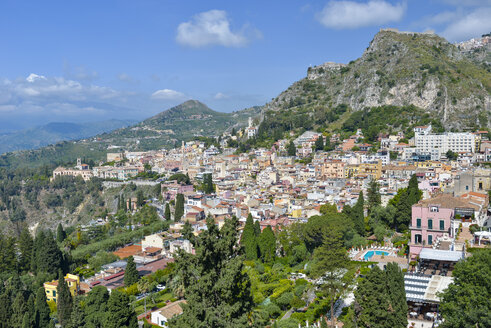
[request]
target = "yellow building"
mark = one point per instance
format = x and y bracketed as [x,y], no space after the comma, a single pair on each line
[73,282]
[297,213]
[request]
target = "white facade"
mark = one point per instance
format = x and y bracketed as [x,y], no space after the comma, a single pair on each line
[457,142]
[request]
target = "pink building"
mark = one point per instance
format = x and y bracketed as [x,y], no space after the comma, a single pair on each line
[433,218]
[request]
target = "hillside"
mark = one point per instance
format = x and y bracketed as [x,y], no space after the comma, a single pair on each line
[400,69]
[54,132]
[183,122]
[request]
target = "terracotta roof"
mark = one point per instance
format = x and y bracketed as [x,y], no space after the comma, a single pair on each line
[128,251]
[445,201]
[172,309]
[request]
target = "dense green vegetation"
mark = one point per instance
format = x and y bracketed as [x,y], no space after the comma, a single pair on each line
[467,301]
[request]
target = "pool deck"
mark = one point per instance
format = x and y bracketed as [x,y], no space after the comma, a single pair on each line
[392,257]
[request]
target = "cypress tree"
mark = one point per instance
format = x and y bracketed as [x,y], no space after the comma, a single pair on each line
[130,273]
[291,149]
[119,313]
[179,210]
[8,258]
[5,310]
[30,311]
[167,212]
[130,206]
[372,300]
[140,200]
[123,203]
[77,318]
[18,309]
[187,232]
[60,234]
[267,244]
[374,198]
[397,316]
[358,216]
[64,301]
[41,309]
[248,240]
[257,229]
[49,257]
[96,306]
[25,250]
[26,322]
[319,143]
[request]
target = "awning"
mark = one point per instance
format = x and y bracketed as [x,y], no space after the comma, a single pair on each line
[440,255]
[425,288]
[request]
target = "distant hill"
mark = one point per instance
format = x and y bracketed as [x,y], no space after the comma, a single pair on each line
[54,132]
[183,122]
[399,69]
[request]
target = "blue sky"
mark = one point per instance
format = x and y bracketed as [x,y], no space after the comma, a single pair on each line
[91,60]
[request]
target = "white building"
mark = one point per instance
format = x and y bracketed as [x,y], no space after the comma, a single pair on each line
[432,143]
[251,130]
[162,316]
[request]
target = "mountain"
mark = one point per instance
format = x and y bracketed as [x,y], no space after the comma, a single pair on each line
[54,132]
[164,130]
[400,69]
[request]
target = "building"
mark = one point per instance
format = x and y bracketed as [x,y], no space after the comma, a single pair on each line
[251,130]
[439,217]
[435,144]
[73,282]
[82,170]
[162,316]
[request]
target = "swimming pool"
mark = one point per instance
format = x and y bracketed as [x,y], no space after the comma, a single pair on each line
[368,255]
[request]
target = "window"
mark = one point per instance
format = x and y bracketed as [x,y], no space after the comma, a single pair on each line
[418,223]
[480,185]
[417,239]
[54,293]
[434,209]
[430,239]
[442,225]
[430,224]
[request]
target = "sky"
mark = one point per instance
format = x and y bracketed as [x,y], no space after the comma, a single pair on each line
[82,61]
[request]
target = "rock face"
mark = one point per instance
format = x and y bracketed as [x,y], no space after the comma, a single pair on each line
[401,68]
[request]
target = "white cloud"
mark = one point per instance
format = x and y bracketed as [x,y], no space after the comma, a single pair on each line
[167,94]
[220,96]
[351,15]
[211,28]
[34,77]
[468,26]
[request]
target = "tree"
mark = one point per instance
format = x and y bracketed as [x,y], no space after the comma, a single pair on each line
[8,260]
[130,273]
[216,287]
[179,208]
[248,240]
[157,190]
[371,300]
[187,232]
[48,255]
[319,143]
[208,186]
[167,212]
[77,318]
[140,200]
[41,310]
[130,207]
[60,234]
[380,299]
[397,316]
[291,149]
[267,244]
[330,259]
[18,309]
[96,307]
[452,156]
[374,198]
[64,301]
[467,301]
[25,250]
[413,192]
[119,312]
[5,310]
[358,215]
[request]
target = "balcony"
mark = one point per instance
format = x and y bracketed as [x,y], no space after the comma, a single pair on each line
[423,227]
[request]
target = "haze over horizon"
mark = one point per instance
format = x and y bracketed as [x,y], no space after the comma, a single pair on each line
[131,60]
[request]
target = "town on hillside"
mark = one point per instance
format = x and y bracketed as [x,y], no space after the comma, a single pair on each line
[423,205]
